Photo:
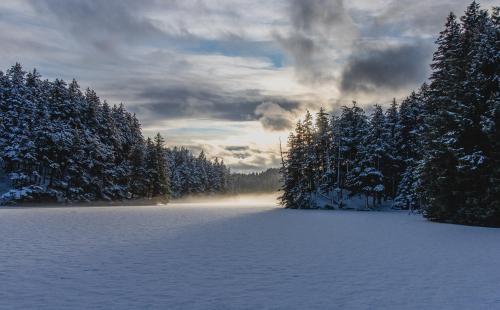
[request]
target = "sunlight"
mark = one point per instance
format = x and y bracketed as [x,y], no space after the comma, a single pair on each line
[249,201]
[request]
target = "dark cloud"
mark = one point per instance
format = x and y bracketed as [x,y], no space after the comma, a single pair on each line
[312,16]
[305,53]
[102,24]
[317,27]
[241,155]
[384,49]
[184,101]
[202,102]
[238,151]
[390,68]
[417,18]
[236,148]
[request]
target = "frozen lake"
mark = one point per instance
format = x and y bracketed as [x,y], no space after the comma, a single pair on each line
[242,256]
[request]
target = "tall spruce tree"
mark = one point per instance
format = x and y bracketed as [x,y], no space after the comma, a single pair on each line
[456,173]
[440,172]
[322,143]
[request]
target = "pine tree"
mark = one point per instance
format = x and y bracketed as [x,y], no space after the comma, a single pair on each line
[295,185]
[457,176]
[309,165]
[160,186]
[366,176]
[410,136]
[440,172]
[138,184]
[392,165]
[322,142]
[354,126]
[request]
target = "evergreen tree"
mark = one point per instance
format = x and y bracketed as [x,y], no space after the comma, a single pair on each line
[295,185]
[57,143]
[464,85]
[439,151]
[366,176]
[410,136]
[160,186]
[322,143]
[440,173]
[391,167]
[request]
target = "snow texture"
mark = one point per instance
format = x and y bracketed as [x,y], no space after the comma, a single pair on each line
[218,256]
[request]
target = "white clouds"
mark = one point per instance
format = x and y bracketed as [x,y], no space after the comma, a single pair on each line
[221,19]
[243,67]
[274,117]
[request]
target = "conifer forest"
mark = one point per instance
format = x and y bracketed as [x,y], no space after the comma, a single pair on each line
[438,150]
[61,143]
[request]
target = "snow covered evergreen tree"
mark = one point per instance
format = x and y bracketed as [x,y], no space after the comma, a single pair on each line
[464,86]
[190,175]
[58,143]
[410,145]
[366,176]
[322,143]
[296,192]
[392,165]
[440,151]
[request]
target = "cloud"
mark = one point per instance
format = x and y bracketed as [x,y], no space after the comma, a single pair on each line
[319,17]
[389,68]
[197,69]
[245,167]
[364,47]
[238,151]
[256,163]
[241,155]
[200,101]
[423,18]
[274,117]
[317,30]
[102,24]
[236,148]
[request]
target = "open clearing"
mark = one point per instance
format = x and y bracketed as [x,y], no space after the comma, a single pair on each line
[220,256]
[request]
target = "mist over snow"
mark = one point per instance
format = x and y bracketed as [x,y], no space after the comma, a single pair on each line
[232,201]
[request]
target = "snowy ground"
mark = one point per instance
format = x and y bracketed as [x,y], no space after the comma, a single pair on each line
[221,256]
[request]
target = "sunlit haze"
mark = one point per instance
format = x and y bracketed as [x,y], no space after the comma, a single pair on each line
[241,201]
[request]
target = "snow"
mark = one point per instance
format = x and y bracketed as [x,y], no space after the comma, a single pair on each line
[242,256]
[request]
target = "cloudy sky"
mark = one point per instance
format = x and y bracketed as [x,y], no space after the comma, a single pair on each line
[228,76]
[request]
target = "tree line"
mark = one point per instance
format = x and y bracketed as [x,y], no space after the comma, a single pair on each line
[268,181]
[59,143]
[438,150]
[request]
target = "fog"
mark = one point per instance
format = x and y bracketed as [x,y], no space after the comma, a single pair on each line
[243,200]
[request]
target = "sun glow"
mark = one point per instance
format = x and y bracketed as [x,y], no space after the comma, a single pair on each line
[249,201]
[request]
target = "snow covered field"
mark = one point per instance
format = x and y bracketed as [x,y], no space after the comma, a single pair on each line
[223,256]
